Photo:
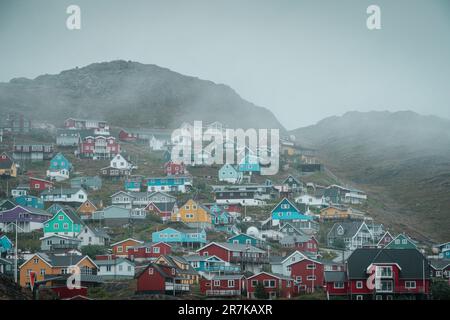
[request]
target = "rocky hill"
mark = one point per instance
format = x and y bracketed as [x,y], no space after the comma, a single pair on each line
[131,94]
[402,159]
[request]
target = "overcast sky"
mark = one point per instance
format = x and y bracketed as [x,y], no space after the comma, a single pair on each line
[302,59]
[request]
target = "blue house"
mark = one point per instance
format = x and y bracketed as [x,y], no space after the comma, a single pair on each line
[132,185]
[59,168]
[230,173]
[169,184]
[182,237]
[222,220]
[5,245]
[60,162]
[286,211]
[246,239]
[211,264]
[29,201]
[444,250]
[249,163]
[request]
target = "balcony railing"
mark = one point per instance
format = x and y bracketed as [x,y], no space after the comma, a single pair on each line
[178,287]
[223,293]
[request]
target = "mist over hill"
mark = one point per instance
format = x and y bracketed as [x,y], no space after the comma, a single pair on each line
[402,158]
[131,94]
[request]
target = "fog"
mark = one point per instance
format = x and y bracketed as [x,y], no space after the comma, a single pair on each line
[304,60]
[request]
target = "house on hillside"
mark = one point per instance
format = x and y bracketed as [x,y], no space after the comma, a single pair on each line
[174,169]
[37,184]
[67,138]
[115,269]
[21,190]
[160,279]
[194,215]
[98,147]
[33,152]
[88,183]
[119,162]
[65,222]
[349,235]
[186,237]
[169,184]
[223,285]
[59,168]
[286,211]
[28,219]
[8,167]
[65,195]
[276,286]
[402,241]
[29,201]
[230,173]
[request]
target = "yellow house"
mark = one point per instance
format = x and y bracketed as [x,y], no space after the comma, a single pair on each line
[44,265]
[192,213]
[334,213]
[7,166]
[87,208]
[184,270]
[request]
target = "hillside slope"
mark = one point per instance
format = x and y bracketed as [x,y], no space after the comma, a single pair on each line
[131,94]
[401,159]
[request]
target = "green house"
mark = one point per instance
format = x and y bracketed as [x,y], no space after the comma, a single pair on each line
[65,222]
[402,241]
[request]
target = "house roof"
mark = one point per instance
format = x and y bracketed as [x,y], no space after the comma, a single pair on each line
[235,247]
[411,262]
[439,264]
[227,277]
[276,275]
[335,276]
[128,239]
[350,229]
[163,206]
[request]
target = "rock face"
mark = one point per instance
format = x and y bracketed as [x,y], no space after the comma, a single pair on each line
[131,94]
[403,158]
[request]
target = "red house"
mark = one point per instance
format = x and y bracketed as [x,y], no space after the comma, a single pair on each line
[173,169]
[148,251]
[387,274]
[159,279]
[223,285]
[301,243]
[308,275]
[127,136]
[336,284]
[120,249]
[276,286]
[162,209]
[249,257]
[98,147]
[39,184]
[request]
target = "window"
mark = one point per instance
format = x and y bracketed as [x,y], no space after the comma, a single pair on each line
[311,266]
[66,226]
[359,297]
[384,286]
[410,284]
[359,284]
[230,283]
[311,278]
[298,279]
[338,285]
[254,283]
[285,206]
[248,241]
[150,270]
[155,249]
[384,271]
[216,283]
[56,226]
[119,249]
[269,283]
[404,241]
[61,217]
[42,272]
[120,267]
[397,241]
[36,260]
[108,268]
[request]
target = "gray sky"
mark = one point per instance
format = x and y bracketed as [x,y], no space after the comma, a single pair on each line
[302,59]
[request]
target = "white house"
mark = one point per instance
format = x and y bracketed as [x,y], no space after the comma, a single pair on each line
[115,269]
[92,236]
[311,201]
[280,265]
[119,162]
[65,195]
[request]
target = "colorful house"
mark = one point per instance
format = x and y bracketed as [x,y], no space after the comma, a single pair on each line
[87,208]
[207,265]
[229,173]
[120,249]
[194,215]
[285,211]
[20,190]
[59,168]
[37,184]
[5,245]
[229,285]
[181,236]
[65,195]
[6,205]
[87,183]
[27,219]
[8,167]
[119,162]
[52,242]
[385,240]
[174,169]
[185,272]
[444,250]
[98,147]
[222,220]
[398,274]
[133,184]
[164,210]
[350,235]
[115,269]
[292,184]
[246,239]
[160,279]
[169,184]
[249,163]
[275,286]
[47,266]
[55,208]
[308,275]
[65,222]
[402,241]
[149,251]
[29,201]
